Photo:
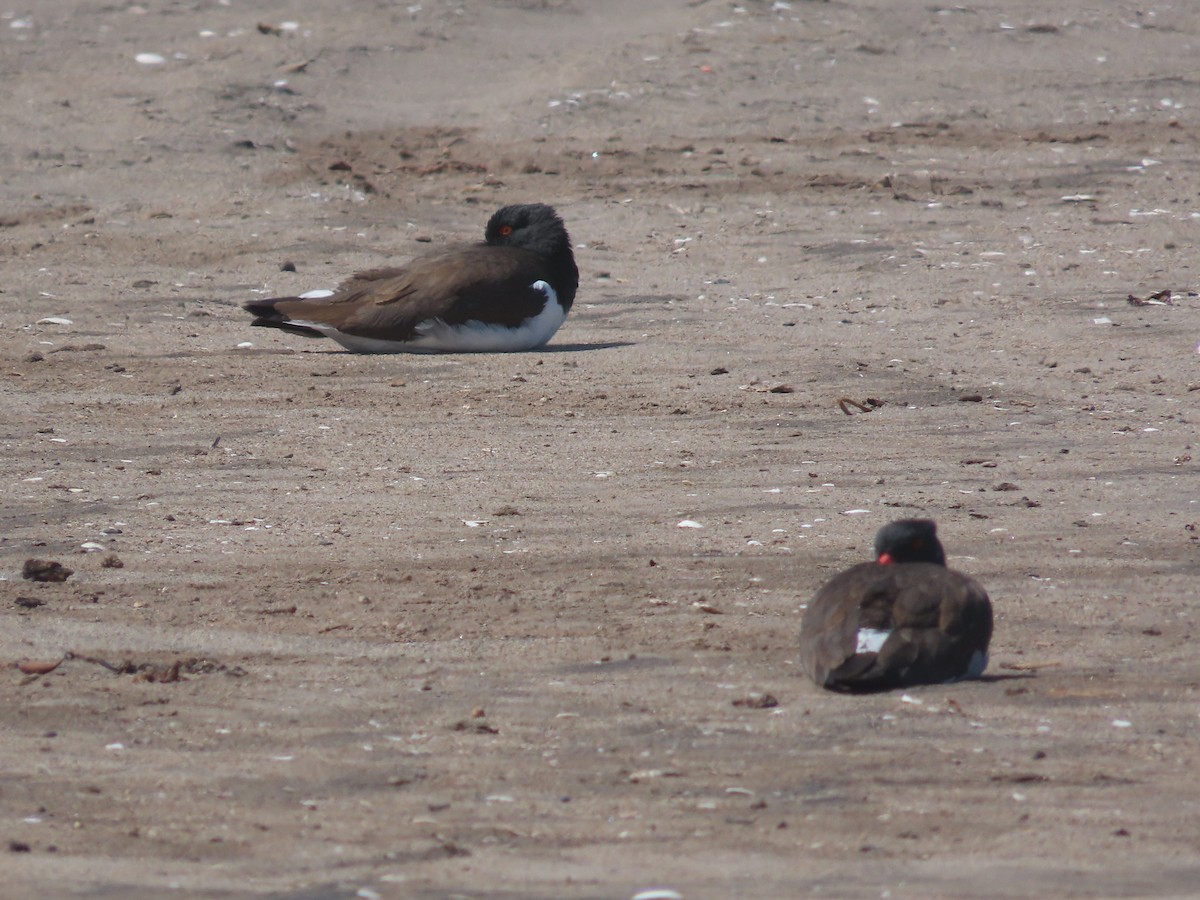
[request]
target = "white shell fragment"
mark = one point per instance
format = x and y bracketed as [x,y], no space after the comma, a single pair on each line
[689,523]
[55,320]
[150,59]
[658,894]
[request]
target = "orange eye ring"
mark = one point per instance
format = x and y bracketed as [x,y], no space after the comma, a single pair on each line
[505,230]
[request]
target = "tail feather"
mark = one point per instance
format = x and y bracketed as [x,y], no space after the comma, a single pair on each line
[267,316]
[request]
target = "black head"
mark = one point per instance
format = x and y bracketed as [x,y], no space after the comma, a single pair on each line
[536,227]
[533,225]
[909,540]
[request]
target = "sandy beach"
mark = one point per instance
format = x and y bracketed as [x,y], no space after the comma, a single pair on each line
[524,625]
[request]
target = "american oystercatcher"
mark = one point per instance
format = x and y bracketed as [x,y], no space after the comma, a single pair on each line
[511,292]
[904,619]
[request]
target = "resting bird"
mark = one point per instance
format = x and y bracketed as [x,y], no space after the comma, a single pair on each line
[904,619]
[511,292]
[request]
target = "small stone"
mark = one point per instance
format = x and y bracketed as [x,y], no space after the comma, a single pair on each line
[46,570]
[757,701]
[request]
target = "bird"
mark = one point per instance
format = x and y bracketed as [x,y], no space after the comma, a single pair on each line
[509,293]
[904,619]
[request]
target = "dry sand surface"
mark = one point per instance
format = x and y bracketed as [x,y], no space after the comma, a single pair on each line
[428,627]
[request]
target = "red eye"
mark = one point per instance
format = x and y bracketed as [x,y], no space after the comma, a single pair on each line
[505,230]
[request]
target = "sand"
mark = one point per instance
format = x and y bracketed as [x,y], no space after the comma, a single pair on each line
[428,627]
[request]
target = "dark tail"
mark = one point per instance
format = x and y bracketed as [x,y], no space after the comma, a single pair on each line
[267,316]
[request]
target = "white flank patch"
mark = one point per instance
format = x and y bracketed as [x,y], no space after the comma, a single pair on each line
[481,337]
[978,664]
[975,668]
[870,640]
[435,336]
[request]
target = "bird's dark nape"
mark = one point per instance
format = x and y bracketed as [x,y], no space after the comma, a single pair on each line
[910,540]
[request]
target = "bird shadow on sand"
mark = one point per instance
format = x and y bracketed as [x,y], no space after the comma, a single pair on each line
[580,348]
[994,677]
[553,348]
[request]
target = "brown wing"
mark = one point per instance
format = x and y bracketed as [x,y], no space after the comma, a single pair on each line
[476,281]
[942,619]
[938,619]
[829,626]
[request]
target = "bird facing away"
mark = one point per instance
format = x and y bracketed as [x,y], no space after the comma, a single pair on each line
[511,292]
[904,619]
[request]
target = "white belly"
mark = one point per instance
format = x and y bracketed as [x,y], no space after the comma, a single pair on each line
[435,336]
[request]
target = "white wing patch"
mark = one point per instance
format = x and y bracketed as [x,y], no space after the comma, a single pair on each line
[870,640]
[978,664]
[435,336]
